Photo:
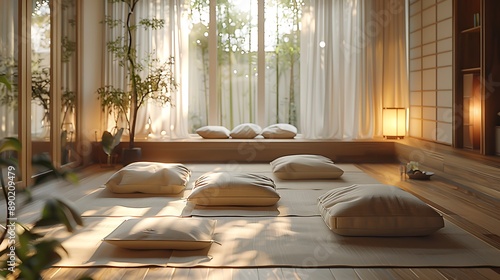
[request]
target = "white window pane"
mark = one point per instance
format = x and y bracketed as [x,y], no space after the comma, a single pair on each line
[282,46]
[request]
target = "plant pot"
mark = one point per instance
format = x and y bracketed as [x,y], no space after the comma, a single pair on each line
[131,155]
[109,162]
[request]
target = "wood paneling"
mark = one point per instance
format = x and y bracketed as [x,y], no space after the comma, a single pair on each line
[471,171]
[259,150]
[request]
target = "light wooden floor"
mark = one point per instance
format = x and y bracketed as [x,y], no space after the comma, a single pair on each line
[476,213]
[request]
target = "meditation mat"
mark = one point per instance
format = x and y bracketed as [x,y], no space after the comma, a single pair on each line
[251,167]
[281,241]
[104,203]
[86,248]
[298,198]
[307,242]
[345,180]
[229,167]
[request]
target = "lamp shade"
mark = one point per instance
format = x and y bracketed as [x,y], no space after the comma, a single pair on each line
[394,122]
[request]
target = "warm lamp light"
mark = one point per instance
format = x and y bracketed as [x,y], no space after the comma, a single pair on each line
[394,123]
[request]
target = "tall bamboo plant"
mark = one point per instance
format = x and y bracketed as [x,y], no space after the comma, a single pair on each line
[159,82]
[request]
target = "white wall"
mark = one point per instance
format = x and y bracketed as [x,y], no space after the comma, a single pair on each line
[431,69]
[92,57]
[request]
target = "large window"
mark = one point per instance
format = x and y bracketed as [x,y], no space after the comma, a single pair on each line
[314,64]
[256,73]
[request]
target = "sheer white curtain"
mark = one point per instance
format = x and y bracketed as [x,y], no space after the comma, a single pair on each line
[343,70]
[8,56]
[154,121]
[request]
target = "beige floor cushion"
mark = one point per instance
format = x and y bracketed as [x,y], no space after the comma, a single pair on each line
[225,188]
[305,167]
[163,233]
[377,210]
[150,177]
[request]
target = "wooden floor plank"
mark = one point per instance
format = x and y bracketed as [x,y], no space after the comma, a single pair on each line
[69,273]
[376,274]
[462,274]
[305,274]
[428,274]
[344,273]
[406,273]
[191,273]
[243,273]
[164,273]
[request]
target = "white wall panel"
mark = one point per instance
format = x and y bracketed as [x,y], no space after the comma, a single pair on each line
[429,98]
[445,29]
[431,66]
[445,10]
[445,78]
[445,98]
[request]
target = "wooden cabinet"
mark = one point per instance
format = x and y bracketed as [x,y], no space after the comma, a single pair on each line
[476,74]
[498,141]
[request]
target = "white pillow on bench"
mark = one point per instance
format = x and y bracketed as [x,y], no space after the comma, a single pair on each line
[213,132]
[279,131]
[245,131]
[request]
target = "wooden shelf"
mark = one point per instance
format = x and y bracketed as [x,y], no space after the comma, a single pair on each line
[475,50]
[471,30]
[471,70]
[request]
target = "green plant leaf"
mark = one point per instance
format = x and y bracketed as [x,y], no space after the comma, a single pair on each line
[110,141]
[49,214]
[10,144]
[46,254]
[48,169]
[72,208]
[5,81]
[60,211]
[117,137]
[10,162]
[107,142]
[71,177]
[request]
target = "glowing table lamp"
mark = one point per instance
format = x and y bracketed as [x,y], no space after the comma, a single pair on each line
[394,123]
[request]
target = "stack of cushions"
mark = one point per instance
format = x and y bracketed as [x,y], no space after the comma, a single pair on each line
[377,210]
[233,189]
[295,167]
[150,177]
[248,131]
[163,233]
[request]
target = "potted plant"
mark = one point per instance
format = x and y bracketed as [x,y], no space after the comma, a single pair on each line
[413,171]
[28,251]
[147,80]
[109,142]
